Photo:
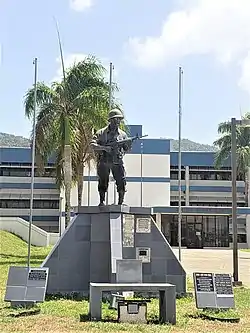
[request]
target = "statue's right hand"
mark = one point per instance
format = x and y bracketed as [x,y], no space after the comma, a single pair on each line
[108,149]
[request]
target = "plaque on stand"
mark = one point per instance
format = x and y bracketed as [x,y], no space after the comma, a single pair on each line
[213,291]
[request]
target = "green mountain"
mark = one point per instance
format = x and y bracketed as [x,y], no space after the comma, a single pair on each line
[188,145]
[10,140]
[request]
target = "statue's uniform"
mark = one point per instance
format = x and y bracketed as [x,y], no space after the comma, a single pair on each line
[107,162]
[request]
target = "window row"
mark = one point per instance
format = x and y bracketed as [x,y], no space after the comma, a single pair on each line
[25,204]
[205,175]
[200,167]
[213,204]
[26,172]
[21,164]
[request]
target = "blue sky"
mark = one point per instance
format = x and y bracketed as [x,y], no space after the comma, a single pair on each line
[147,41]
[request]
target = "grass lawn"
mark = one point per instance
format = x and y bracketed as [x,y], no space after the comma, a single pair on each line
[245,250]
[62,315]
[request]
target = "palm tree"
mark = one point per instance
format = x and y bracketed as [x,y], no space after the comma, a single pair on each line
[243,149]
[68,111]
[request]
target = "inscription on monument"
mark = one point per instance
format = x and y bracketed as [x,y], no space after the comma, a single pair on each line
[204,282]
[213,291]
[128,230]
[37,275]
[223,284]
[143,225]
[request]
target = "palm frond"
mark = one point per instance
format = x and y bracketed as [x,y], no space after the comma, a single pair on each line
[224,127]
[47,138]
[221,156]
[242,145]
[224,140]
[44,95]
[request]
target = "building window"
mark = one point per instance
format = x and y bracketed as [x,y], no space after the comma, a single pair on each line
[242,238]
[174,175]
[209,175]
[176,203]
[25,172]
[216,204]
[25,204]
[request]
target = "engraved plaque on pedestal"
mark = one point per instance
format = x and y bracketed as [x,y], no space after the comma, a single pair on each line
[143,225]
[128,230]
[143,254]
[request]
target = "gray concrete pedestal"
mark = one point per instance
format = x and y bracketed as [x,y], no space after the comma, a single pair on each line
[97,238]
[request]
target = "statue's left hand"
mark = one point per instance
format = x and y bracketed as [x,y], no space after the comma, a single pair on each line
[127,146]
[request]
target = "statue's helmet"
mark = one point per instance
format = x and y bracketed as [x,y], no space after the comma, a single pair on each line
[115,113]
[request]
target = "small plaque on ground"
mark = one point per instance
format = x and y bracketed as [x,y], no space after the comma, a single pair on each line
[143,225]
[26,284]
[37,275]
[213,291]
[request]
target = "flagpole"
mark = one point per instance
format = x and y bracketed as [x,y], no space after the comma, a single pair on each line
[111,68]
[33,162]
[179,163]
[141,157]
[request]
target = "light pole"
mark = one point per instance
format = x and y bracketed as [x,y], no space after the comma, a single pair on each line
[234,122]
[61,223]
[141,174]
[89,183]
[179,162]
[33,161]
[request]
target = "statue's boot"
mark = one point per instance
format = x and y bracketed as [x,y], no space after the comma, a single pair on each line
[121,197]
[102,198]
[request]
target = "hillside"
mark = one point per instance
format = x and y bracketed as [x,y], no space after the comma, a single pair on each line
[10,140]
[188,145]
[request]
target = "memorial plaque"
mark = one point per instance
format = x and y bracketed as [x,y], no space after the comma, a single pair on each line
[143,254]
[37,274]
[213,291]
[143,225]
[223,284]
[128,230]
[204,282]
[26,284]
[224,291]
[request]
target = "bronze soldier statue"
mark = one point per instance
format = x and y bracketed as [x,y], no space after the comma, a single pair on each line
[111,144]
[110,155]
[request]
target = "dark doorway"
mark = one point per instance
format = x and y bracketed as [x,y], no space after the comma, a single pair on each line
[200,231]
[194,237]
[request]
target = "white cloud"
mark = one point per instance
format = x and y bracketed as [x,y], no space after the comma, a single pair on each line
[81,5]
[220,28]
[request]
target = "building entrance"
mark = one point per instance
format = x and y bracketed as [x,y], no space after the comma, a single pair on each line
[199,231]
[194,237]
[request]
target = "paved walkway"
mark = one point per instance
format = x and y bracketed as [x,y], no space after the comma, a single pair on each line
[215,261]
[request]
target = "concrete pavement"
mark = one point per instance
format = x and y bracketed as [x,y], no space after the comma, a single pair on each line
[215,261]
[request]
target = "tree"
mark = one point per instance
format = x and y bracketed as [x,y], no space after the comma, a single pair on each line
[68,112]
[242,150]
